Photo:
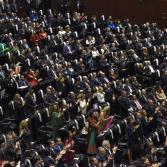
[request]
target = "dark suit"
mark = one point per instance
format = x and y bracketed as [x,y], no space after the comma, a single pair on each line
[122,106]
[48,161]
[30,104]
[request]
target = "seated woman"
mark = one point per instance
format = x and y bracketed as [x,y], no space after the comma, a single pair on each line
[82,103]
[100,95]
[31,78]
[160,95]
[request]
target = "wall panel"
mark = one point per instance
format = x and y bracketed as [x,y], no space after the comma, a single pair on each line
[138,11]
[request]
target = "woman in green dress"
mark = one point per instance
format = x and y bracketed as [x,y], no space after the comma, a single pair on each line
[56,119]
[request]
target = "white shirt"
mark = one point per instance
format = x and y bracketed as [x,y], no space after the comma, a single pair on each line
[95,53]
[100,97]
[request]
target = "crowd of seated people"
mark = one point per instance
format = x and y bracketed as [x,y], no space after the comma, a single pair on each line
[81,91]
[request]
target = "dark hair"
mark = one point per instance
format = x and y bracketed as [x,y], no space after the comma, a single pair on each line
[8,165]
[47,152]
[91,159]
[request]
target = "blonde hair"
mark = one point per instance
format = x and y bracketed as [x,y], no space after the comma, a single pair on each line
[23,125]
[16,96]
[81,96]
[100,89]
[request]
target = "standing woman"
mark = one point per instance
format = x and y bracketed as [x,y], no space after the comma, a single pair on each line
[25,135]
[19,109]
[92,133]
[100,95]
[105,119]
[69,147]
[56,119]
[82,103]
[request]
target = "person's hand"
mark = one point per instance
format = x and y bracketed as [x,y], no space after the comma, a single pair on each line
[58,157]
[104,163]
[156,165]
[73,142]
[115,149]
[110,158]
[5,163]
[67,146]
[166,141]
[17,146]
[12,163]
[100,164]
[150,119]
[73,151]
[63,152]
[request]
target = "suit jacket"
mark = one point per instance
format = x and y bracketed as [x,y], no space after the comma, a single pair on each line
[48,161]
[101,158]
[122,105]
[37,165]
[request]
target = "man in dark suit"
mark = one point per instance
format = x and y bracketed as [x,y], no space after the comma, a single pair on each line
[3,155]
[38,162]
[30,103]
[122,104]
[48,160]
[101,155]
